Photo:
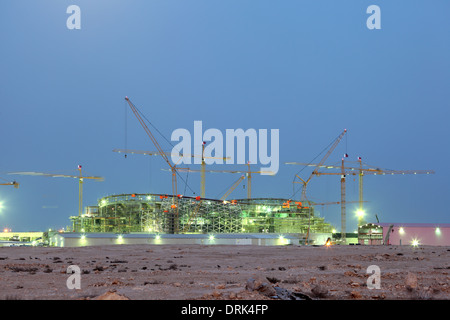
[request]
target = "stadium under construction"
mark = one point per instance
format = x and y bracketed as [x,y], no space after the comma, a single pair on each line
[165,214]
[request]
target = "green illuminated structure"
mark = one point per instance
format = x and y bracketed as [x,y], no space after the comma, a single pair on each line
[155,213]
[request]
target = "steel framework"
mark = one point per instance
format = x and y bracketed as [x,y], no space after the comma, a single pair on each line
[151,213]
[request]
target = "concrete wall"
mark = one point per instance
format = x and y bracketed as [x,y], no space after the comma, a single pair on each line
[424,235]
[62,241]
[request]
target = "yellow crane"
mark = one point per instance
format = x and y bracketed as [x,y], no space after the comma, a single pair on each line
[80,178]
[360,171]
[14,183]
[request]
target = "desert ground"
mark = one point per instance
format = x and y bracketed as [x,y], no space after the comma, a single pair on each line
[222,272]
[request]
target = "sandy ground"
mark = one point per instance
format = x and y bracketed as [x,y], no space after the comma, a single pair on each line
[200,272]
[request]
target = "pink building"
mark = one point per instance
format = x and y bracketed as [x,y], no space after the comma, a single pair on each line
[431,234]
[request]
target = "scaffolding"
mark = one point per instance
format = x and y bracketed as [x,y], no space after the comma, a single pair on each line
[204,216]
[151,213]
[274,215]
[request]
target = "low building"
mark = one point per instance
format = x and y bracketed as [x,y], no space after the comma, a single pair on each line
[351,238]
[432,234]
[370,234]
[20,236]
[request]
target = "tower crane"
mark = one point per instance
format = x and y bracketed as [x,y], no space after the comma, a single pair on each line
[360,171]
[80,178]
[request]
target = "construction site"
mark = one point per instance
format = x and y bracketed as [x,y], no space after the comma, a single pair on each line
[178,214]
[175,214]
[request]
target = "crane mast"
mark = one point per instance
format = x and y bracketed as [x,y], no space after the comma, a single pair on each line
[203,178]
[343,205]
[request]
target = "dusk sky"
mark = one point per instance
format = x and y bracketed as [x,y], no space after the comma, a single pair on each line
[308,68]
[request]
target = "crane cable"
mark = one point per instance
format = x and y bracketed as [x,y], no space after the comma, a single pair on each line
[326,148]
[225,190]
[160,133]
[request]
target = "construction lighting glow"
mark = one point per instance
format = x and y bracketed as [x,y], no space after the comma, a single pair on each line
[333,231]
[6,230]
[401,230]
[158,237]
[360,213]
[282,239]
[415,242]
[83,237]
[437,231]
[211,237]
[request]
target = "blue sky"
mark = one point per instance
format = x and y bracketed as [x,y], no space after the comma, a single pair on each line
[307,68]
